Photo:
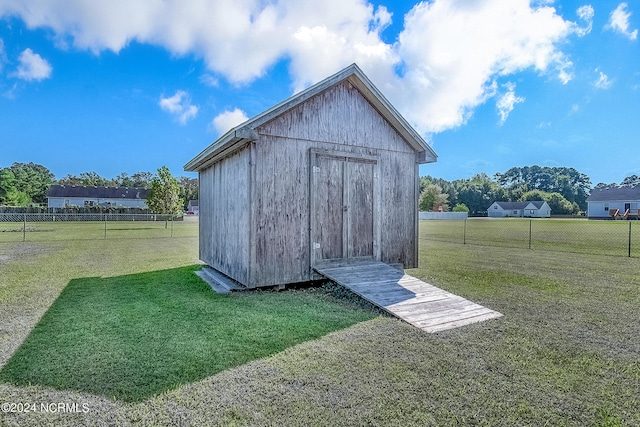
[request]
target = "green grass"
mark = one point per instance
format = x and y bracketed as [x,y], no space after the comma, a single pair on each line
[565,353]
[580,236]
[132,336]
[95,230]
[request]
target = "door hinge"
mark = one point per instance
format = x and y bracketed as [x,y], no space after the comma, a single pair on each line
[316,169]
[316,245]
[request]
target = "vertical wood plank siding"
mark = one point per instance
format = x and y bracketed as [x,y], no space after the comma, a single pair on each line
[224,215]
[339,120]
[255,213]
[339,115]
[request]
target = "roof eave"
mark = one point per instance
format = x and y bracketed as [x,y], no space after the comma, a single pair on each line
[223,144]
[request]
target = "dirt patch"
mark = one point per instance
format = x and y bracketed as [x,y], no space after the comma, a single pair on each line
[13,252]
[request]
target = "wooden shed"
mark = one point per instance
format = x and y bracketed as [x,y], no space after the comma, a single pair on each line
[328,176]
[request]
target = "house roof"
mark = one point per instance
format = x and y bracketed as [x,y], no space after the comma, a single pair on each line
[246,131]
[519,205]
[97,192]
[612,194]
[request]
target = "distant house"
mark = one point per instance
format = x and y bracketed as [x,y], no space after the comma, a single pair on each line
[535,209]
[193,207]
[62,196]
[614,202]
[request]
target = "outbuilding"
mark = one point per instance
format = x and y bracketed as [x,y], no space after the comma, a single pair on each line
[327,177]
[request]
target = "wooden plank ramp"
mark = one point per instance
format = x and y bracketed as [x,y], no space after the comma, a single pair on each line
[412,300]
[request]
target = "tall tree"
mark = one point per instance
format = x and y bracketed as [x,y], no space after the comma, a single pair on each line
[571,184]
[69,179]
[478,193]
[33,180]
[189,189]
[631,181]
[141,179]
[94,179]
[557,202]
[85,178]
[9,194]
[447,187]
[164,194]
[432,197]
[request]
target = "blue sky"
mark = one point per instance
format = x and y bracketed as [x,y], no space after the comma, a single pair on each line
[118,86]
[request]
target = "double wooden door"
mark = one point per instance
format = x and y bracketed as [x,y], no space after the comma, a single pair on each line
[343,210]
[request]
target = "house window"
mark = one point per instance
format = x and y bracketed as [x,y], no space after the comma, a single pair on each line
[515,212]
[606,207]
[532,212]
[495,207]
[89,202]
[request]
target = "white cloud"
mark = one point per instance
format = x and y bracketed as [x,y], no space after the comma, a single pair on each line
[219,31]
[32,67]
[507,101]
[602,82]
[179,105]
[450,53]
[619,22]
[228,119]
[209,80]
[585,13]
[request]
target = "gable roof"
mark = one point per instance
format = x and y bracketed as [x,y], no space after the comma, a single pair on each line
[246,131]
[508,206]
[612,194]
[95,192]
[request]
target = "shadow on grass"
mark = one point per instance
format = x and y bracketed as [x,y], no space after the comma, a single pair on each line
[131,337]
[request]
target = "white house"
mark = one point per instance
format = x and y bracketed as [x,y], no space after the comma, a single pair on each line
[606,201]
[535,209]
[62,196]
[193,207]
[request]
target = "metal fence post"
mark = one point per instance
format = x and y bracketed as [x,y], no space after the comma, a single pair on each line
[530,223]
[629,239]
[24,227]
[172,225]
[105,226]
[464,236]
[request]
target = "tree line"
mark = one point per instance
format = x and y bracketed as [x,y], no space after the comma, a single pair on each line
[24,183]
[564,189]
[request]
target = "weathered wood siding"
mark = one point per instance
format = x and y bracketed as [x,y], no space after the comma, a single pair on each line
[224,215]
[398,174]
[339,115]
[279,212]
[339,120]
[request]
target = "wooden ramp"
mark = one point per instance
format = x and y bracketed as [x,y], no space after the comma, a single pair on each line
[412,300]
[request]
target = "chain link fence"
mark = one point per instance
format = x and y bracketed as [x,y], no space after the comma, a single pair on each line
[35,227]
[620,238]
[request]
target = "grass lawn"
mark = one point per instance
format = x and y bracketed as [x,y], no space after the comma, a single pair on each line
[95,230]
[130,337]
[567,235]
[565,353]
